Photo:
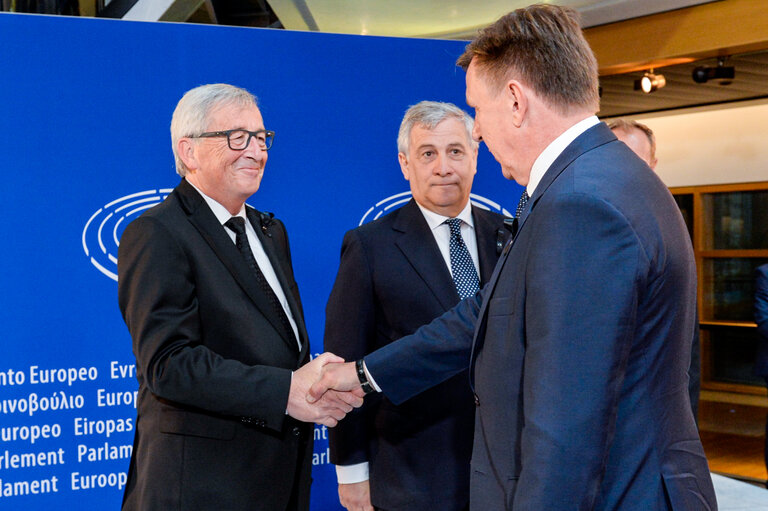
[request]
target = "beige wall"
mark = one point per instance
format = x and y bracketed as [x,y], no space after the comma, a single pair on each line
[712,145]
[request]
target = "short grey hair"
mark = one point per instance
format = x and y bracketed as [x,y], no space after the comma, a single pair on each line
[192,114]
[429,114]
[628,125]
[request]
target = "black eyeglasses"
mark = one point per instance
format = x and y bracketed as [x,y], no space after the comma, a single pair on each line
[238,139]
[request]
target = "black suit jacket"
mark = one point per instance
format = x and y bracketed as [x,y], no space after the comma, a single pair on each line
[393,279]
[213,364]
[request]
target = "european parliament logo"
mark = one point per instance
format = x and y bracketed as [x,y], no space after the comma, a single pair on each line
[393,201]
[101,234]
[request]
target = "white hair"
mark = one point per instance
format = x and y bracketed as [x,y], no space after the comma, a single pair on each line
[192,114]
[429,114]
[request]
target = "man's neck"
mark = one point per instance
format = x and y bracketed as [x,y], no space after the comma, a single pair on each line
[234,206]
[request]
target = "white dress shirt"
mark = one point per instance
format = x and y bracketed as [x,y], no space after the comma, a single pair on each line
[554,149]
[223,215]
[442,233]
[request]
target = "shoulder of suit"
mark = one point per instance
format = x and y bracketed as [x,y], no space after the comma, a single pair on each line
[168,209]
[383,223]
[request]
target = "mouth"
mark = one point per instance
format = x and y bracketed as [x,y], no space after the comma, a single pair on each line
[251,170]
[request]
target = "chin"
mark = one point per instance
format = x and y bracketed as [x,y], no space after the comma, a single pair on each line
[509,173]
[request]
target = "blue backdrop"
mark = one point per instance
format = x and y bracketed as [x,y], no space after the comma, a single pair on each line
[85,147]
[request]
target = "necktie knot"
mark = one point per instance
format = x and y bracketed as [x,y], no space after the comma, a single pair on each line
[236,224]
[522,204]
[455,225]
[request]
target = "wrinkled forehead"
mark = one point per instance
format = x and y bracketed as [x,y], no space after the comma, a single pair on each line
[230,115]
[450,130]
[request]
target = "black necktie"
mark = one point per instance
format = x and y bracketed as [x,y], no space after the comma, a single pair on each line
[237,225]
[463,269]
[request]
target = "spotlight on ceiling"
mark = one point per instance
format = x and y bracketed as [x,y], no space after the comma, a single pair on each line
[650,82]
[722,73]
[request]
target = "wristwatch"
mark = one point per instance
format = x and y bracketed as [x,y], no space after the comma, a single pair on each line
[364,383]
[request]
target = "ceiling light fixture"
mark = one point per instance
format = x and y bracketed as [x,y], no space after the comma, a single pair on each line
[650,82]
[724,74]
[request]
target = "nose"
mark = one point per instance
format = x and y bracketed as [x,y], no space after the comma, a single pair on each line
[442,166]
[254,149]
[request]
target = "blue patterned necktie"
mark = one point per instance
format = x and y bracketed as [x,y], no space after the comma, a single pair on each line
[521,205]
[463,269]
[516,221]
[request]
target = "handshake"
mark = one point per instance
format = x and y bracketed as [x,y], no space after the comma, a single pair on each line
[324,391]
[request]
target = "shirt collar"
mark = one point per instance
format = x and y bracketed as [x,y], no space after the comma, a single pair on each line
[553,150]
[221,213]
[435,220]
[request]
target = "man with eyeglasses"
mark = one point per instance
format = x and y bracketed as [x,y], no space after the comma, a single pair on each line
[207,290]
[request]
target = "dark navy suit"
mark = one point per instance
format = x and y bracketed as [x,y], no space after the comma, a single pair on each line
[393,279]
[578,347]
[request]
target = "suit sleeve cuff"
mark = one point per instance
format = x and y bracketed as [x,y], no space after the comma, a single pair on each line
[350,474]
[371,381]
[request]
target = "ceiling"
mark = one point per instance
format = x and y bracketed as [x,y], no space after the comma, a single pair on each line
[446,19]
[620,99]
[459,19]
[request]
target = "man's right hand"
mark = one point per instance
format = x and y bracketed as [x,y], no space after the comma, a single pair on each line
[356,496]
[340,377]
[330,407]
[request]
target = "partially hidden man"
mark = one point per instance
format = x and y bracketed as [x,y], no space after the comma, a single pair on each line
[578,346]
[207,290]
[397,274]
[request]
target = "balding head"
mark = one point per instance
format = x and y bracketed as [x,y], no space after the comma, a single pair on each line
[638,137]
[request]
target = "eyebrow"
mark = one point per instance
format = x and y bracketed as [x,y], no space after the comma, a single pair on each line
[433,146]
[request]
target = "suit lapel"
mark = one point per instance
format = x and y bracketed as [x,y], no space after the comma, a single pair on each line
[486,233]
[594,137]
[419,247]
[276,258]
[203,219]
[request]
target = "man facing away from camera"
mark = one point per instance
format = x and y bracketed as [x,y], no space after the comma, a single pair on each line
[578,345]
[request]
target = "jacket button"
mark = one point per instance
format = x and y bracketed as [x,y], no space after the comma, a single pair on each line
[296,431]
[477,400]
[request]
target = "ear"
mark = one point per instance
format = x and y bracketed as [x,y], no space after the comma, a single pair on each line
[403,159]
[474,159]
[186,151]
[517,97]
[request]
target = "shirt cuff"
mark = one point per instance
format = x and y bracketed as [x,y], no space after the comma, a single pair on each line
[370,379]
[350,474]
[286,404]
